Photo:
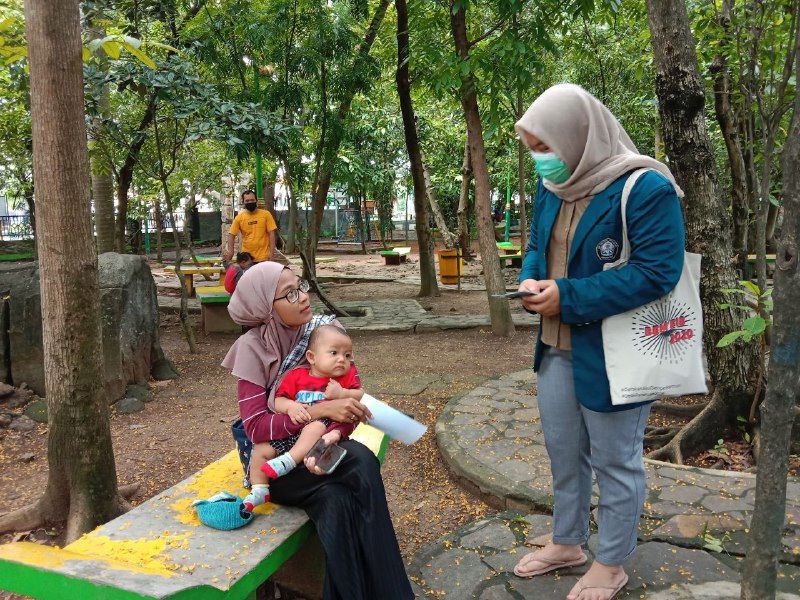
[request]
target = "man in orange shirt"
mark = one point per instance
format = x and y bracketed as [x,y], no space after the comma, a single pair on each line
[257,228]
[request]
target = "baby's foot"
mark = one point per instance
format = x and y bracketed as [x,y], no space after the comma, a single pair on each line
[278,466]
[257,496]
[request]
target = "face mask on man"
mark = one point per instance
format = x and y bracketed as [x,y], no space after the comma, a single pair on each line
[251,206]
[550,167]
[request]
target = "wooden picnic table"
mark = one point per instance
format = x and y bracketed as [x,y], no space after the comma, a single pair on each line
[189,271]
[396,255]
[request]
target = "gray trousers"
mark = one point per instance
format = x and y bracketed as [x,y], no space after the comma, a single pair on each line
[578,441]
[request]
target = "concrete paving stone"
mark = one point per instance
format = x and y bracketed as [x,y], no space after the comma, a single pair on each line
[456,572]
[547,586]
[537,525]
[717,504]
[682,528]
[665,510]
[496,592]
[527,415]
[683,494]
[467,419]
[496,536]
[522,432]
[658,565]
[503,562]
[475,409]
[516,470]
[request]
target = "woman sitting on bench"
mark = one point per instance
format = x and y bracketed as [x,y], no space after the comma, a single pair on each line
[348,507]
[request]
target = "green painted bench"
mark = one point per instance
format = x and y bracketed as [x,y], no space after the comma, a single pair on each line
[214,310]
[160,550]
[515,260]
[395,256]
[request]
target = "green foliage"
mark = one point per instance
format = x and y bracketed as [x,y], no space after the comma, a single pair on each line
[755,304]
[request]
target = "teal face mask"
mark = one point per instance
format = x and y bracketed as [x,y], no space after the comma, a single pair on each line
[550,167]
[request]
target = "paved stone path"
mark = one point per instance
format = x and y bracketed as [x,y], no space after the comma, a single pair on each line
[403,315]
[492,439]
[477,561]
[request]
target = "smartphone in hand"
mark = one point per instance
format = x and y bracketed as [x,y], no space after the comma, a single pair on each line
[327,456]
[517,294]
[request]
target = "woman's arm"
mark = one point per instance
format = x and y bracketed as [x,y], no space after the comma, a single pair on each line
[656,234]
[341,411]
[260,424]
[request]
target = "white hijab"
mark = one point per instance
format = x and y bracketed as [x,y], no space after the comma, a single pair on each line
[588,138]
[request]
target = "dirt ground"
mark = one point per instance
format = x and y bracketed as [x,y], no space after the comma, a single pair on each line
[186,425]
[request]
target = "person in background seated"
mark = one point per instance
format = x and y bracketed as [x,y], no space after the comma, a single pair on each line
[244,260]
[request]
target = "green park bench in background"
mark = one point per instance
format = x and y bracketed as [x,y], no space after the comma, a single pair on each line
[510,252]
[214,310]
[395,256]
[750,264]
[160,550]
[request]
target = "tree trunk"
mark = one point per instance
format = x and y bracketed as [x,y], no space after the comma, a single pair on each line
[291,229]
[319,192]
[523,217]
[462,213]
[499,310]
[159,230]
[681,101]
[730,133]
[125,175]
[778,409]
[82,478]
[102,182]
[448,237]
[427,267]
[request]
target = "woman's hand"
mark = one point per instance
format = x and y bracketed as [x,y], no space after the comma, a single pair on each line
[345,410]
[529,285]
[547,302]
[329,438]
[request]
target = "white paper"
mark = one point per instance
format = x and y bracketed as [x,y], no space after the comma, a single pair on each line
[392,422]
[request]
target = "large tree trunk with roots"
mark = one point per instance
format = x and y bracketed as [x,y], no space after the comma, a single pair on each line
[730,133]
[322,182]
[681,101]
[778,410]
[499,310]
[82,480]
[427,268]
[462,213]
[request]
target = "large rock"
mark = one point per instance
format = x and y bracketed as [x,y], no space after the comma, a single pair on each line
[131,346]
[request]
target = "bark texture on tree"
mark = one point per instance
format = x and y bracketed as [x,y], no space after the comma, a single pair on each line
[462,213]
[427,267]
[499,310]
[726,118]
[102,181]
[779,408]
[681,100]
[448,238]
[82,479]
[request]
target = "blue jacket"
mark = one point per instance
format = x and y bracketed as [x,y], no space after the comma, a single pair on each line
[589,294]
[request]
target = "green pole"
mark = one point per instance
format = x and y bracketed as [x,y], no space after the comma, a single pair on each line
[508,206]
[259,186]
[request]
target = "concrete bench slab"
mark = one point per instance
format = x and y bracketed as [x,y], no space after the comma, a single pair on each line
[396,255]
[161,550]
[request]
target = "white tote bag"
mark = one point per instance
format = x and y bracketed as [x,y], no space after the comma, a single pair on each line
[656,349]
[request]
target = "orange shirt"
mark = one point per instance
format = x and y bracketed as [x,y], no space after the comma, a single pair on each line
[255,228]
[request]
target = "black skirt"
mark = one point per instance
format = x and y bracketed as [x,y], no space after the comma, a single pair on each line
[349,510]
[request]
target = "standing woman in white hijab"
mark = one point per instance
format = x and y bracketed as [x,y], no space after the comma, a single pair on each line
[583,157]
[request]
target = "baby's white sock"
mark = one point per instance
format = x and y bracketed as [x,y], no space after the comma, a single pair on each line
[257,496]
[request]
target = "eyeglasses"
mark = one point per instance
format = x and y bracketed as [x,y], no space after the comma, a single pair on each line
[293,295]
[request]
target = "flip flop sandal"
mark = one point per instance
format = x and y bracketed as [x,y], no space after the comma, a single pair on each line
[550,565]
[614,590]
